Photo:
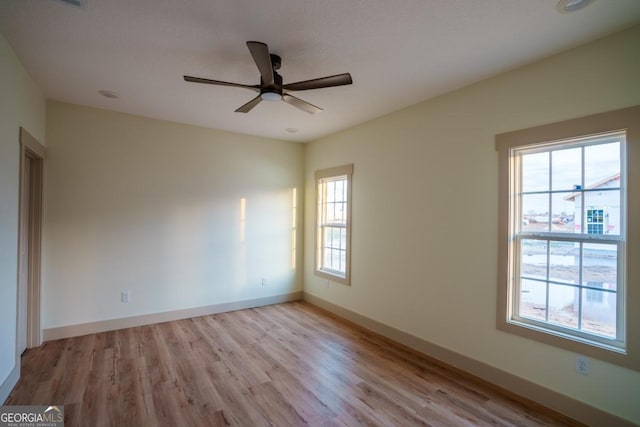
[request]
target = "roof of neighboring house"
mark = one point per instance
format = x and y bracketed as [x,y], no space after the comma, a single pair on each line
[600,183]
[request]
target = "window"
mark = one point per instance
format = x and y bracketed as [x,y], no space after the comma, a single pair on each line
[596,221]
[333,188]
[554,186]
[563,275]
[594,295]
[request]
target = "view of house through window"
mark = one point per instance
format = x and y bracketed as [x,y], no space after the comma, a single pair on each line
[333,223]
[569,236]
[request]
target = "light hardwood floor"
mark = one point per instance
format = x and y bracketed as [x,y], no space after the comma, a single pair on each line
[284,365]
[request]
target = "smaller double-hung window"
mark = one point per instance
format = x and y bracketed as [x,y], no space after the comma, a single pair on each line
[333,192]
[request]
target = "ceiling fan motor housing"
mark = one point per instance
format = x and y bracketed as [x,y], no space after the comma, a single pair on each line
[276,87]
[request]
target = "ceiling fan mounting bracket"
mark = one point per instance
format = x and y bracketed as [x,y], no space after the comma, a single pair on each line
[276,61]
[273,87]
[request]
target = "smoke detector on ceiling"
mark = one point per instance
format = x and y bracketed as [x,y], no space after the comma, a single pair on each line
[78,4]
[108,94]
[566,6]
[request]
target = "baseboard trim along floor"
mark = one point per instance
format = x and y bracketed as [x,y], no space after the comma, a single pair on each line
[167,316]
[9,383]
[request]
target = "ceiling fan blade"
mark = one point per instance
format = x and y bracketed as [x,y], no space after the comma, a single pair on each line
[330,81]
[299,103]
[255,88]
[249,105]
[260,53]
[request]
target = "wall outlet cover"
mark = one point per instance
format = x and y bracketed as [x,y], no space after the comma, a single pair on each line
[582,365]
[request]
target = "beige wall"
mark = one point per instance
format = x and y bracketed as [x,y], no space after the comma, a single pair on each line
[21,104]
[425,207]
[155,207]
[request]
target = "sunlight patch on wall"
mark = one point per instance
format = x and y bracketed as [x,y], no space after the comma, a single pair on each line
[241,259]
[294,218]
[243,219]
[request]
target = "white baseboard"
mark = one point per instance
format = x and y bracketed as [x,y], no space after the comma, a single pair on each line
[167,316]
[548,398]
[9,383]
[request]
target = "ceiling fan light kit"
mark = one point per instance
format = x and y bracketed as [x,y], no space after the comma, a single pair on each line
[271,87]
[271,96]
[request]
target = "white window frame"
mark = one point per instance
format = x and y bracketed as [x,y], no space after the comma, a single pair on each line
[625,349]
[581,239]
[322,178]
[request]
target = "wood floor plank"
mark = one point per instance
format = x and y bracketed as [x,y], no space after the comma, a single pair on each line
[290,364]
[301,391]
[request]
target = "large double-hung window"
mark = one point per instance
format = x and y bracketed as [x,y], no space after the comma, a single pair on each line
[565,273]
[569,199]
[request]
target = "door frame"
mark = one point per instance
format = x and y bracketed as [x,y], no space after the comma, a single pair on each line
[36,152]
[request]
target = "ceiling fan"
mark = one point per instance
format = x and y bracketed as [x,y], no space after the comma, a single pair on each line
[271,87]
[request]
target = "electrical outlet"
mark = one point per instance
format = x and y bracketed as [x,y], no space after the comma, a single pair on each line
[582,365]
[125,296]
[263,282]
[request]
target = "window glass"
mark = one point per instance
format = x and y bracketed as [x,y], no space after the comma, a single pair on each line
[567,169]
[535,172]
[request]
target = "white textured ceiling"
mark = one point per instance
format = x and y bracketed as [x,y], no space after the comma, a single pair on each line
[398,52]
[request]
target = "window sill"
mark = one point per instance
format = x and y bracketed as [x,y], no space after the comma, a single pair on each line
[571,343]
[332,277]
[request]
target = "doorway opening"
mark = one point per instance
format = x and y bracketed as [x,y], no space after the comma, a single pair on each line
[32,155]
